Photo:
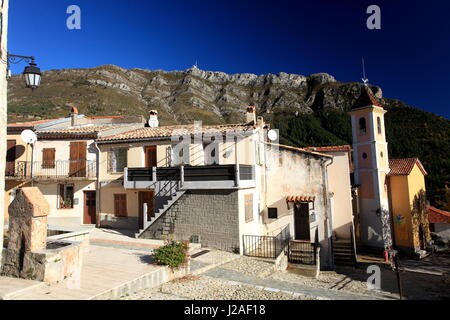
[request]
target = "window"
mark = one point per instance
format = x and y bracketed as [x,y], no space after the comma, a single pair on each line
[379,125]
[362,126]
[120,205]
[117,159]
[364,155]
[66,193]
[248,207]
[48,158]
[273,213]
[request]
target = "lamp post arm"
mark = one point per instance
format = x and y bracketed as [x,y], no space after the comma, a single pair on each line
[14,58]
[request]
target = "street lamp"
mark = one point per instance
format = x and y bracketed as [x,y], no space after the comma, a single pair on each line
[31,73]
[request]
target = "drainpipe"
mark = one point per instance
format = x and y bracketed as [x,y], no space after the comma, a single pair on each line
[329,219]
[97,188]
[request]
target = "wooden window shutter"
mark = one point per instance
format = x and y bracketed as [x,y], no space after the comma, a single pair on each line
[48,158]
[248,207]
[110,161]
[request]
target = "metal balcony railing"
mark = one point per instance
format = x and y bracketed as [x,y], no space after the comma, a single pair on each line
[266,246]
[192,173]
[52,169]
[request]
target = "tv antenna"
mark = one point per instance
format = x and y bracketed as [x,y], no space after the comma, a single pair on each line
[364,79]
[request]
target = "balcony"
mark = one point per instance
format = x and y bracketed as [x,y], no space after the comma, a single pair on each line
[54,170]
[192,177]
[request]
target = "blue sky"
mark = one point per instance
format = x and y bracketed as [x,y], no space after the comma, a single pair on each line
[408,58]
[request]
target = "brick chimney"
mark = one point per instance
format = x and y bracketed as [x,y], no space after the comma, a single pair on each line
[251,114]
[153,119]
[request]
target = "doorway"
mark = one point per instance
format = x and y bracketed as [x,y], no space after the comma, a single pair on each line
[146,198]
[301,222]
[90,211]
[150,157]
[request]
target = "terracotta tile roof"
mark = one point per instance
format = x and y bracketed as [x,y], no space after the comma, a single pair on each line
[168,131]
[300,198]
[436,215]
[330,148]
[401,167]
[366,98]
[83,129]
[29,123]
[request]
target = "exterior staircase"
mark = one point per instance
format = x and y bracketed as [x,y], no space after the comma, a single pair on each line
[170,200]
[343,253]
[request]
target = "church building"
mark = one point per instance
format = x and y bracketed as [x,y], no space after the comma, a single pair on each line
[383,183]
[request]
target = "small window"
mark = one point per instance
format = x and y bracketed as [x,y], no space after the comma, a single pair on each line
[48,158]
[362,126]
[273,213]
[120,205]
[379,125]
[364,155]
[66,196]
[117,160]
[248,207]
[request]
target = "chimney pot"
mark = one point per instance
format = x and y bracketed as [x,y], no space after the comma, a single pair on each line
[153,119]
[251,114]
[73,115]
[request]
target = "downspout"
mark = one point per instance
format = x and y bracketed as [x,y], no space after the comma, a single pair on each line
[97,188]
[329,219]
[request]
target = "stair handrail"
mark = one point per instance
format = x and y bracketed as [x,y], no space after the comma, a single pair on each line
[353,243]
[167,182]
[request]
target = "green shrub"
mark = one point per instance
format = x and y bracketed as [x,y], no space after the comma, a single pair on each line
[172,254]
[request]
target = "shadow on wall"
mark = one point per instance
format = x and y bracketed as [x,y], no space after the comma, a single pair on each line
[343,232]
[15,152]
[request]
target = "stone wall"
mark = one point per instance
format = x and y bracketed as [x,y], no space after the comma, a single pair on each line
[211,214]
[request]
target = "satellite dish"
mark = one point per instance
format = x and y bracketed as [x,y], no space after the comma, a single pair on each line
[28,137]
[272,135]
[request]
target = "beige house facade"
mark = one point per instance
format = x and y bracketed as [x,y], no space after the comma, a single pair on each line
[219,185]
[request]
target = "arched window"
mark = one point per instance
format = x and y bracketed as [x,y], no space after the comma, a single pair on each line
[362,126]
[379,125]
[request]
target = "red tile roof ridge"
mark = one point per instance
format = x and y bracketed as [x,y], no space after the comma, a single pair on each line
[330,148]
[404,166]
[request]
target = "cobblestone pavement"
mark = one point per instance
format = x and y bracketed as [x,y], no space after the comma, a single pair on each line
[206,288]
[249,278]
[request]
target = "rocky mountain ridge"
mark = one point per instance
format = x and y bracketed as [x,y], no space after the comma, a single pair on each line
[179,96]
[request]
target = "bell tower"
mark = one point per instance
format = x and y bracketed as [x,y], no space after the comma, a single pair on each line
[370,155]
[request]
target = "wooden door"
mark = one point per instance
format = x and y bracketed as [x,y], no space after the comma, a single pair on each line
[89,216]
[77,163]
[10,158]
[150,157]
[146,197]
[301,221]
[120,205]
